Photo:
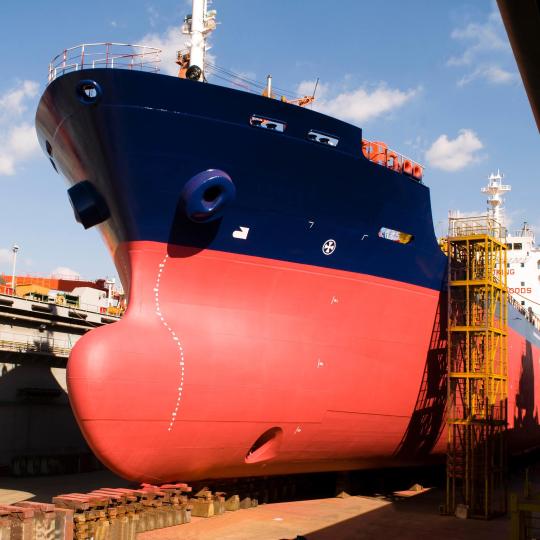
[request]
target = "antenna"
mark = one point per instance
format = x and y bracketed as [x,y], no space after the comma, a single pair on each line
[315,89]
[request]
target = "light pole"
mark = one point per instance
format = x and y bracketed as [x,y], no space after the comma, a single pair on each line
[110,284]
[15,248]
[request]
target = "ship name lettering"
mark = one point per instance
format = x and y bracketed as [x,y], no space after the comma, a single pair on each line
[510,272]
[520,290]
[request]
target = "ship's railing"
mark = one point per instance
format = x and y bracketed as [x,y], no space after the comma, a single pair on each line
[105,55]
[528,313]
[379,153]
[474,225]
[32,344]
[528,233]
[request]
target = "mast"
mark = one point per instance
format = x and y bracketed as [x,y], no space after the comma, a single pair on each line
[495,189]
[198,26]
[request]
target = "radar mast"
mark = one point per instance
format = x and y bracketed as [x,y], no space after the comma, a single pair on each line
[198,26]
[495,189]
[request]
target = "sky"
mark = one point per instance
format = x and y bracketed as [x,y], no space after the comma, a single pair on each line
[436,81]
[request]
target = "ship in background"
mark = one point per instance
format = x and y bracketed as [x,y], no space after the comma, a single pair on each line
[41,318]
[100,296]
[286,290]
[523,255]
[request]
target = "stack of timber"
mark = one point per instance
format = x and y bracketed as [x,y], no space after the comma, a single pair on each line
[114,513]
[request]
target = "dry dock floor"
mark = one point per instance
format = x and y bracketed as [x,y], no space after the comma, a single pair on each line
[352,518]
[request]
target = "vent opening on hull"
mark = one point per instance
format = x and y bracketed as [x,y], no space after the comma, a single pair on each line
[267,123]
[266,446]
[322,138]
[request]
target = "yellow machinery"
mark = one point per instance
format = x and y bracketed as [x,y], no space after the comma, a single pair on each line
[525,513]
[477,367]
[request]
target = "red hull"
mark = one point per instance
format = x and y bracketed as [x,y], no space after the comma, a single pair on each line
[229,346]
[217,348]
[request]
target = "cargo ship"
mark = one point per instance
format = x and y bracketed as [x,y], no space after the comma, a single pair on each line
[285,284]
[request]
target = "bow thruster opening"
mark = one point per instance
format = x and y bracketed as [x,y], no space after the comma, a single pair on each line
[266,446]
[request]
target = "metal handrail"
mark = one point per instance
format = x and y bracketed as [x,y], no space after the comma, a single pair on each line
[476,225]
[43,345]
[528,314]
[523,234]
[105,55]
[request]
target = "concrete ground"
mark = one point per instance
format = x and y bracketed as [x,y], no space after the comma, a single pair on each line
[352,518]
[44,488]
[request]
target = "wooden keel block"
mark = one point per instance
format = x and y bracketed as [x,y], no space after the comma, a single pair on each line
[5,528]
[5,525]
[22,522]
[202,507]
[232,503]
[44,519]
[186,513]
[219,503]
[245,503]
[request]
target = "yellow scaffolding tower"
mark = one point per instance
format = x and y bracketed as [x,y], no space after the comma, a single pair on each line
[477,367]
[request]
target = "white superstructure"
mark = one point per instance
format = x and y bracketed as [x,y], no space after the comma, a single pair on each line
[523,272]
[523,262]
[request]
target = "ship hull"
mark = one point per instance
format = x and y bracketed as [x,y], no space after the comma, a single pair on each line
[289,334]
[216,349]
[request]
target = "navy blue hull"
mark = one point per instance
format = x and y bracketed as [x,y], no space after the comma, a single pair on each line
[149,134]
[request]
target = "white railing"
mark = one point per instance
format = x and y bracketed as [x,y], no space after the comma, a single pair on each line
[105,55]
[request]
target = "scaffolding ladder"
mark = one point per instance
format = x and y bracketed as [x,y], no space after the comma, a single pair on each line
[477,379]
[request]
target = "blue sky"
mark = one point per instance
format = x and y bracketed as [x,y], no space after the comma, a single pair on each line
[435,80]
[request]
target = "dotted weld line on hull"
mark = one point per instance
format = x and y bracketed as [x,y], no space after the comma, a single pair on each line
[174,337]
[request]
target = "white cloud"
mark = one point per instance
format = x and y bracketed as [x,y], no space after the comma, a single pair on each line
[358,105]
[306,88]
[170,41]
[153,16]
[481,38]
[454,154]
[18,140]
[494,74]
[13,103]
[6,256]
[65,272]
[18,144]
[486,47]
